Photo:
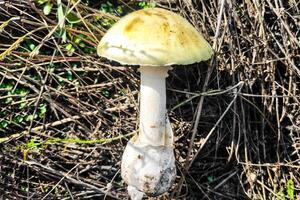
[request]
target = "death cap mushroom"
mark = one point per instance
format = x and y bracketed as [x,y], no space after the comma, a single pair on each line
[154,37]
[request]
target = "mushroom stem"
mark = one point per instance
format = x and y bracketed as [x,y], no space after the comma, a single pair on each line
[148,162]
[153,116]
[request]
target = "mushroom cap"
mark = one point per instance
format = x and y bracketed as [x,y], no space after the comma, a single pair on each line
[154,37]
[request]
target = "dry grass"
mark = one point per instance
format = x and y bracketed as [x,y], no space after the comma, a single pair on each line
[236,118]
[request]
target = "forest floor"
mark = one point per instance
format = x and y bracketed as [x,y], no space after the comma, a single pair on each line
[66,114]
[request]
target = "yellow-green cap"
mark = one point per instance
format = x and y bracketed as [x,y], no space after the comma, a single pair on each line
[154,37]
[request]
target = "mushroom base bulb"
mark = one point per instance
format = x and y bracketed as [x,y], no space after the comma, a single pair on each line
[149,169]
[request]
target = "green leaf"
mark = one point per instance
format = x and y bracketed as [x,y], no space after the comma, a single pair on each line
[47,8]
[105,92]
[145,4]
[42,110]
[210,179]
[60,14]
[72,18]
[91,50]
[3,114]
[23,104]
[69,47]
[142,4]
[69,75]
[22,91]
[8,100]
[30,117]
[40,2]
[31,46]
[3,124]
[82,44]
[77,40]
[119,10]
[18,119]
[290,189]
[7,86]
[63,34]
[33,143]
[107,23]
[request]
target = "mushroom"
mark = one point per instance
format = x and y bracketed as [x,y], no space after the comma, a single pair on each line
[154,39]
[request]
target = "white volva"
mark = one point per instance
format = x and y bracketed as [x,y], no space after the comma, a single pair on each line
[147,169]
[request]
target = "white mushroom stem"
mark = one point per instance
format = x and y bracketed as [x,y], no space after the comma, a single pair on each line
[153,118]
[148,162]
